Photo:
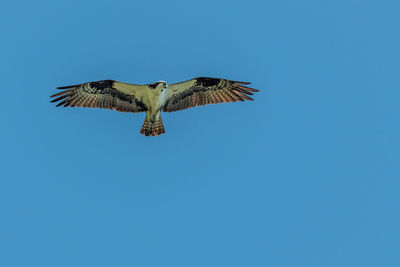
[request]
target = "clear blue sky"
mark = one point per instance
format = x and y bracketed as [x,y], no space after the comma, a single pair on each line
[306,175]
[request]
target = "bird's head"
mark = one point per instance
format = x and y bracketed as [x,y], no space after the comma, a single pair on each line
[158,85]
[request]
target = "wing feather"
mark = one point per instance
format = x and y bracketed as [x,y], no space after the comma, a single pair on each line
[203,90]
[106,94]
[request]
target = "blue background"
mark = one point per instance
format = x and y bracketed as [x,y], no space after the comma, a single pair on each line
[306,175]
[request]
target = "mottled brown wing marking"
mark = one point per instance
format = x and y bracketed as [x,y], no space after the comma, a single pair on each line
[99,94]
[203,90]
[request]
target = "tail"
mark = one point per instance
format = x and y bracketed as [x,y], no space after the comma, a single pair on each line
[152,125]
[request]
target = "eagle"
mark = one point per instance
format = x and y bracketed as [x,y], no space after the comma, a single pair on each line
[152,98]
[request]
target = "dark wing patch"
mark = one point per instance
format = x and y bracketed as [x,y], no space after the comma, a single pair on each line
[207,82]
[208,91]
[99,94]
[152,85]
[102,85]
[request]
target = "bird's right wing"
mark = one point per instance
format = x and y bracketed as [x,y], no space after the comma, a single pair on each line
[107,94]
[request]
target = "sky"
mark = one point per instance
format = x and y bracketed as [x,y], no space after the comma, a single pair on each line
[306,175]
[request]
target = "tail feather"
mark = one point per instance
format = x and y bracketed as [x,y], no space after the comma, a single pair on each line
[152,128]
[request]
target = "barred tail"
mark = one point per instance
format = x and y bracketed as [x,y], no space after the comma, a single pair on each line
[151,127]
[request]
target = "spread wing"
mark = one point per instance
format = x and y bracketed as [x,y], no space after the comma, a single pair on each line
[203,90]
[107,94]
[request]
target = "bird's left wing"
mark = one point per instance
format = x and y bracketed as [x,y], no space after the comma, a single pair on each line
[203,90]
[107,94]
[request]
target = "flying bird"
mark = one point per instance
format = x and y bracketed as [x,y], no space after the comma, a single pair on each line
[153,98]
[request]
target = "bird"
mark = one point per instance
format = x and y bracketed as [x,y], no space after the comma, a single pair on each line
[152,98]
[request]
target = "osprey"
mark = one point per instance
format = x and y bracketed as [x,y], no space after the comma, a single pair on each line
[152,98]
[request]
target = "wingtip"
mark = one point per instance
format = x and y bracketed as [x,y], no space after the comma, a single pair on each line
[64,87]
[61,93]
[246,88]
[64,102]
[243,95]
[68,86]
[250,89]
[242,82]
